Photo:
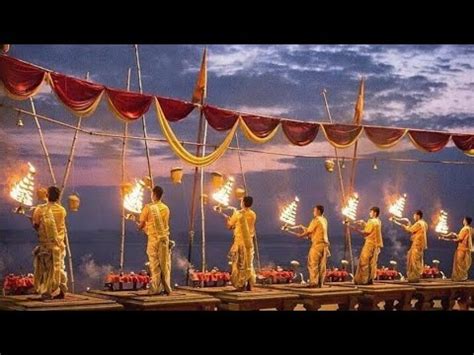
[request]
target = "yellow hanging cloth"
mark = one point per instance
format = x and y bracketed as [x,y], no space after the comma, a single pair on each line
[181,152]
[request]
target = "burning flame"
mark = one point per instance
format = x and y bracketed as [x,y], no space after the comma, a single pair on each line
[222,196]
[350,209]
[397,208]
[442,226]
[133,201]
[22,191]
[288,214]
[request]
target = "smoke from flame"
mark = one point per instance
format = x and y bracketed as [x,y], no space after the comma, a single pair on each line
[397,250]
[181,263]
[93,275]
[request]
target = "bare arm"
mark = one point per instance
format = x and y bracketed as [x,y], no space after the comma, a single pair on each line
[453,237]
[35,219]
[231,221]
[143,217]
[309,230]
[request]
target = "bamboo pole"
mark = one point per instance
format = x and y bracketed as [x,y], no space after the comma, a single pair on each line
[353,167]
[43,144]
[63,186]
[193,196]
[124,148]
[348,240]
[358,114]
[203,214]
[199,146]
[257,251]
[140,87]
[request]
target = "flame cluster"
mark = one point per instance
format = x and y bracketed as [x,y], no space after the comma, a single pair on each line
[222,196]
[22,191]
[397,208]
[133,201]
[350,209]
[442,226]
[288,214]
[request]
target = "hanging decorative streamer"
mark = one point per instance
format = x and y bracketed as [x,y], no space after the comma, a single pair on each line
[22,80]
[181,152]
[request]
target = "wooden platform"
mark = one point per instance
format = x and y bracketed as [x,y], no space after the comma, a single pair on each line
[72,302]
[257,299]
[427,291]
[313,298]
[465,294]
[394,296]
[179,300]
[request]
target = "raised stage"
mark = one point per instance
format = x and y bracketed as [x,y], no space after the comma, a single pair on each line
[444,290]
[72,302]
[257,299]
[313,298]
[394,296]
[179,300]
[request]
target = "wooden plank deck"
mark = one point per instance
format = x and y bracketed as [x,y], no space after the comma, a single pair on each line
[394,296]
[72,302]
[313,298]
[427,291]
[257,299]
[179,300]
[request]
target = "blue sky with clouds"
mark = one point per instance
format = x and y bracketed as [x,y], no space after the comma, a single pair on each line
[421,86]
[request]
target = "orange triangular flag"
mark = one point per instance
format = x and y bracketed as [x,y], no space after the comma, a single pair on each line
[200,88]
[359,107]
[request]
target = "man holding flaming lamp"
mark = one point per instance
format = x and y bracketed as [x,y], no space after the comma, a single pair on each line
[241,253]
[419,242]
[49,268]
[372,232]
[154,218]
[319,251]
[462,255]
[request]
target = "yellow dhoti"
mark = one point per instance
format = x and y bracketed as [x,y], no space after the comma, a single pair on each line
[367,268]
[461,265]
[62,269]
[156,216]
[414,264]
[317,259]
[462,256]
[241,253]
[419,241]
[241,259]
[160,265]
[47,268]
